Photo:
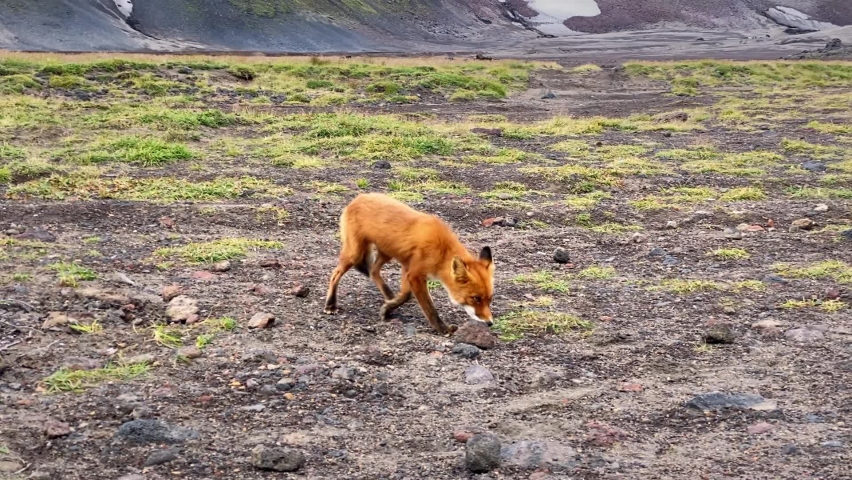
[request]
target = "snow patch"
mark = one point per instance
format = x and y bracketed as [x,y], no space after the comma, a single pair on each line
[124,6]
[552,14]
[790,17]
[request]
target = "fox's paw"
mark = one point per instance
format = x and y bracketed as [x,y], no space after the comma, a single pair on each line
[383,313]
[451,329]
[330,310]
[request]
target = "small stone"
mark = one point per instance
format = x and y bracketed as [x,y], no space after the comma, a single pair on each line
[832,444]
[285,384]
[203,275]
[154,431]
[382,165]
[790,449]
[821,208]
[261,320]
[269,263]
[258,407]
[767,326]
[759,428]
[657,252]
[846,234]
[167,222]
[409,330]
[802,224]
[56,429]
[630,387]
[477,375]
[482,453]
[171,291]
[57,319]
[279,460]
[79,363]
[181,307]
[119,277]
[289,396]
[184,71]
[804,335]
[220,267]
[189,352]
[732,234]
[603,435]
[10,467]
[37,235]
[464,434]
[561,256]
[831,293]
[465,350]
[720,334]
[814,166]
[251,384]
[638,237]
[717,401]
[146,358]
[160,457]
[476,333]
[671,224]
[343,373]
[549,95]
[299,291]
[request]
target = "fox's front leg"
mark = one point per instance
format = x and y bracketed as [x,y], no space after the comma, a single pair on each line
[421,293]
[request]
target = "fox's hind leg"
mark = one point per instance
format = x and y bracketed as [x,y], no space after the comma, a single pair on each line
[376,274]
[403,296]
[353,253]
[343,266]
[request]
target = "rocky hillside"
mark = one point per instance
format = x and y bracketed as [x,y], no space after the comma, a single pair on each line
[379,25]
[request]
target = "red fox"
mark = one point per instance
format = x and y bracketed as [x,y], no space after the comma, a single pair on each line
[375,229]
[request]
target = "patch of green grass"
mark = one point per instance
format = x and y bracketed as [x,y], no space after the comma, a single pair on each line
[203,340]
[586,69]
[830,306]
[362,183]
[517,324]
[328,188]
[506,191]
[64,380]
[67,81]
[217,250]
[802,147]
[834,269]
[18,83]
[226,323]
[145,151]
[752,285]
[832,128]
[596,273]
[71,274]
[93,328]
[820,193]
[21,277]
[743,194]
[574,148]
[585,201]
[729,254]
[685,286]
[675,198]
[87,184]
[184,119]
[167,336]
[544,280]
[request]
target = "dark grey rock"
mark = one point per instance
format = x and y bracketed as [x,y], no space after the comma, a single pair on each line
[277,459]
[155,431]
[814,166]
[717,401]
[832,444]
[657,252]
[846,234]
[382,164]
[790,449]
[466,350]
[561,256]
[482,453]
[343,373]
[804,335]
[160,457]
[720,334]
[549,95]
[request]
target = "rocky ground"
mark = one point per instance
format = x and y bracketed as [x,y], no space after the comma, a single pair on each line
[672,251]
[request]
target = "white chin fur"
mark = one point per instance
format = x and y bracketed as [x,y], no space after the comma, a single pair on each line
[471,312]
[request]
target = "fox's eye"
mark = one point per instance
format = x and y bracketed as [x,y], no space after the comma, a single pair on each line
[476,299]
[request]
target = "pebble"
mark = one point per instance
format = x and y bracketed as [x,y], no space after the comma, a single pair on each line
[831,293]
[804,334]
[171,291]
[732,234]
[630,387]
[257,407]
[767,326]
[160,457]
[155,431]
[477,375]
[180,308]
[189,352]
[409,330]
[57,319]
[220,267]
[299,291]
[261,320]
[269,263]
[466,350]
[147,358]
[802,224]
[10,467]
[790,449]
[277,459]
[847,234]
[671,224]
[814,166]
[203,275]
[482,453]
[759,428]
[717,401]
[561,256]
[720,334]
[285,384]
[476,333]
[821,208]
[343,373]
[56,429]
[536,454]
[638,237]
[832,444]
[381,164]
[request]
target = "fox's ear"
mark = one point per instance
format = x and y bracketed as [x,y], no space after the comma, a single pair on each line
[459,269]
[485,254]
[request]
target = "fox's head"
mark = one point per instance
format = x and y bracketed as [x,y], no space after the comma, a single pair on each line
[473,285]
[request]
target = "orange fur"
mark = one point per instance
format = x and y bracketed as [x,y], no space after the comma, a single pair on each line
[376,229]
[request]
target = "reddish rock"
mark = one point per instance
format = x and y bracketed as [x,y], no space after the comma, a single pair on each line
[171,291]
[603,435]
[300,291]
[462,436]
[261,320]
[222,266]
[56,429]
[492,221]
[269,263]
[832,293]
[167,222]
[203,275]
[759,428]
[476,333]
[630,387]
[260,290]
